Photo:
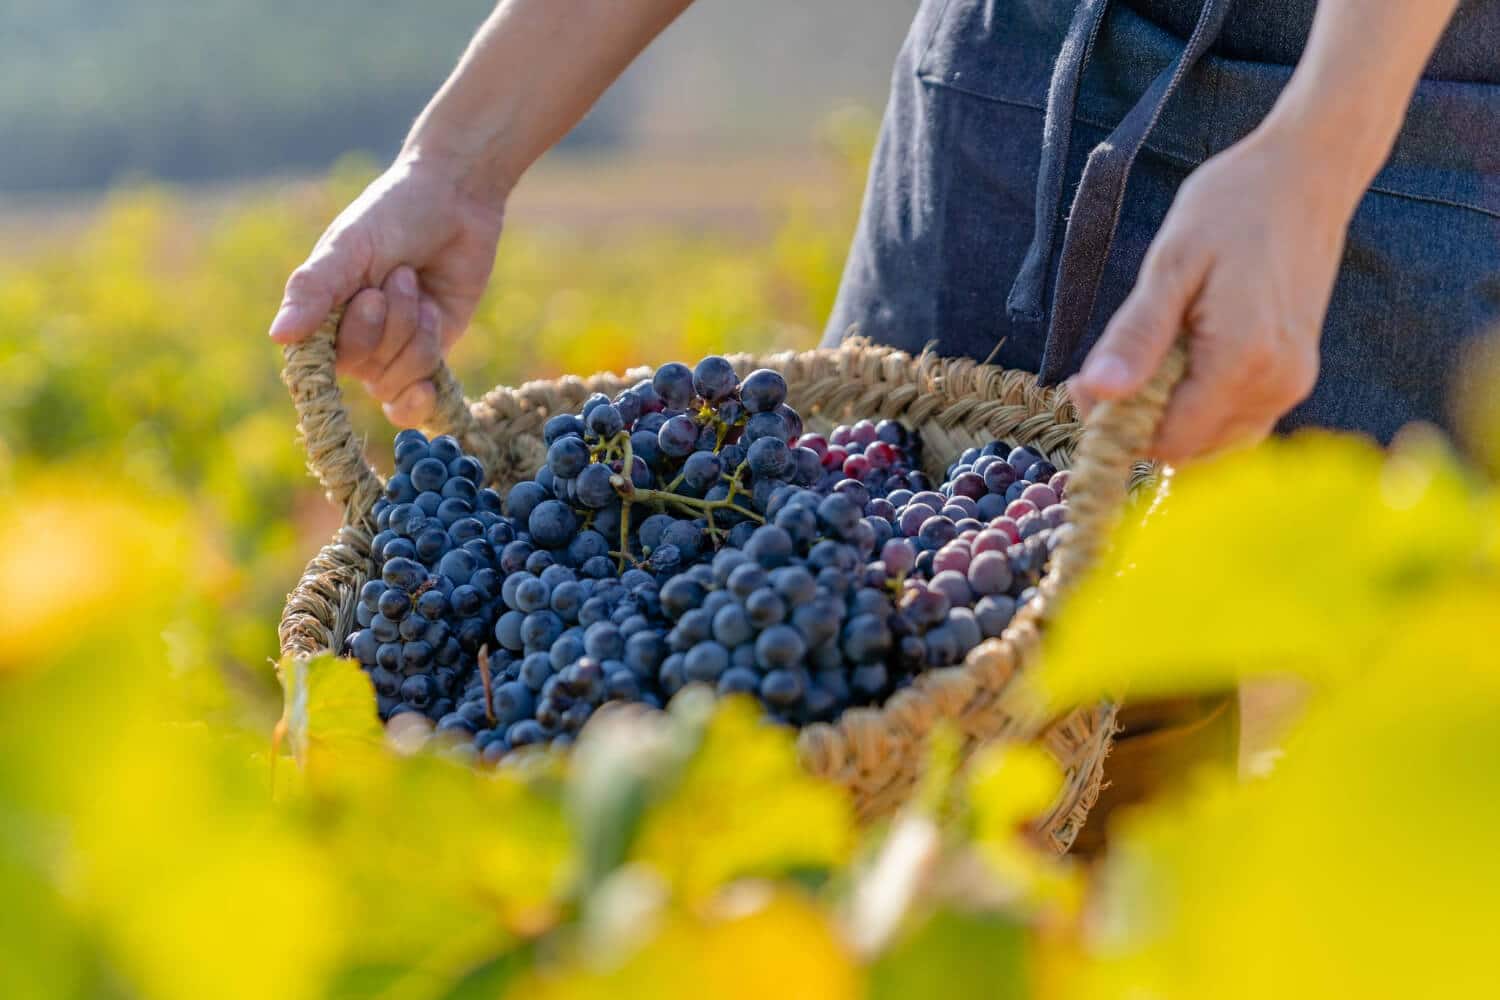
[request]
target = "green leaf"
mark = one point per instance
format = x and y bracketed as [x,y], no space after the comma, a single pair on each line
[954,955]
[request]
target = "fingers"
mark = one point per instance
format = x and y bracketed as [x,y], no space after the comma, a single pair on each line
[360,331]
[403,303]
[413,406]
[1139,334]
[327,279]
[1208,415]
[1083,401]
[417,360]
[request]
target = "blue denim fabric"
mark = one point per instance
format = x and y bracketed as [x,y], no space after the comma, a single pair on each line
[951,206]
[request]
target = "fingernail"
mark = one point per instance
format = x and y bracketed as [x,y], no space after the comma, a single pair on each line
[431,317]
[372,309]
[406,280]
[284,320]
[1106,372]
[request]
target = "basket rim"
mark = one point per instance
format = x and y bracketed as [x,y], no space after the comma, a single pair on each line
[870,749]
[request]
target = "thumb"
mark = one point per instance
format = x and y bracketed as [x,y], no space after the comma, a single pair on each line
[326,279]
[1139,334]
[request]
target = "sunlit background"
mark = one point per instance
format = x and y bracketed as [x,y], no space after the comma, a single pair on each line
[166,164]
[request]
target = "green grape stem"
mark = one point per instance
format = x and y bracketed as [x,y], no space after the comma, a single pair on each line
[619,448]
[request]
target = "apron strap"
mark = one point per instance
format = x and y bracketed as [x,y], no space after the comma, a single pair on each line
[1025,301]
[1095,212]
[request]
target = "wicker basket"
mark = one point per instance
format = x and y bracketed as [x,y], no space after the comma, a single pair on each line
[955,404]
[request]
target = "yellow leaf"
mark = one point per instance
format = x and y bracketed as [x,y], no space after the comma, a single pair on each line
[1009,785]
[328,710]
[743,806]
[76,560]
[1294,557]
[751,944]
[1363,866]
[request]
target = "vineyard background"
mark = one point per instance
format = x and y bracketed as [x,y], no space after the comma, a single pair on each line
[154,842]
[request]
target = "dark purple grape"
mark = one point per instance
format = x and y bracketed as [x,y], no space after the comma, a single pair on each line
[1023,458]
[630,405]
[792,419]
[839,515]
[677,436]
[768,458]
[765,608]
[989,573]
[560,426]
[605,421]
[763,390]
[782,689]
[567,457]
[552,524]
[764,425]
[673,382]
[969,485]
[594,488]
[770,546]
[701,470]
[714,379]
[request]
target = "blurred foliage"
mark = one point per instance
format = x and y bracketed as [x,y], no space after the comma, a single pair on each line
[163,835]
[156,841]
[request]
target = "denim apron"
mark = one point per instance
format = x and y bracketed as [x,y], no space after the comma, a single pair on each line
[1031,148]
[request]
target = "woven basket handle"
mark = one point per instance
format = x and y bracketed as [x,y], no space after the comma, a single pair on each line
[1115,437]
[334,453]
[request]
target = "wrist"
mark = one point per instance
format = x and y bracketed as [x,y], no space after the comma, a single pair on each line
[474,169]
[1331,159]
[1340,136]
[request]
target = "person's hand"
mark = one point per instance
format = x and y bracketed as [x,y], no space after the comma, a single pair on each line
[1244,264]
[410,258]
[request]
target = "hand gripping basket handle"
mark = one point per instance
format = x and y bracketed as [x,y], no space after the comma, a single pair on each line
[1115,437]
[335,454]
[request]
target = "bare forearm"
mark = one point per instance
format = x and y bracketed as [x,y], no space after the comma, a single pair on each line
[1349,94]
[533,70]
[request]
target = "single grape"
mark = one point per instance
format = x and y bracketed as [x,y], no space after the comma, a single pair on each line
[673,382]
[763,391]
[677,436]
[714,379]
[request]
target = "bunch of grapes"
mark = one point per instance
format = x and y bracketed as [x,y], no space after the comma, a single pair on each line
[670,469]
[882,457]
[689,531]
[984,536]
[422,622]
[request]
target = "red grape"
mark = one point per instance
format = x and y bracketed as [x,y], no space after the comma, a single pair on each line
[881,455]
[817,442]
[969,485]
[1040,494]
[856,467]
[992,540]
[1020,508]
[952,557]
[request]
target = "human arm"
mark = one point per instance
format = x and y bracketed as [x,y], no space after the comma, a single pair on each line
[1246,258]
[412,254]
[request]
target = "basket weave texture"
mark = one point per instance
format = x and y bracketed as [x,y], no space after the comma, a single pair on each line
[877,754]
